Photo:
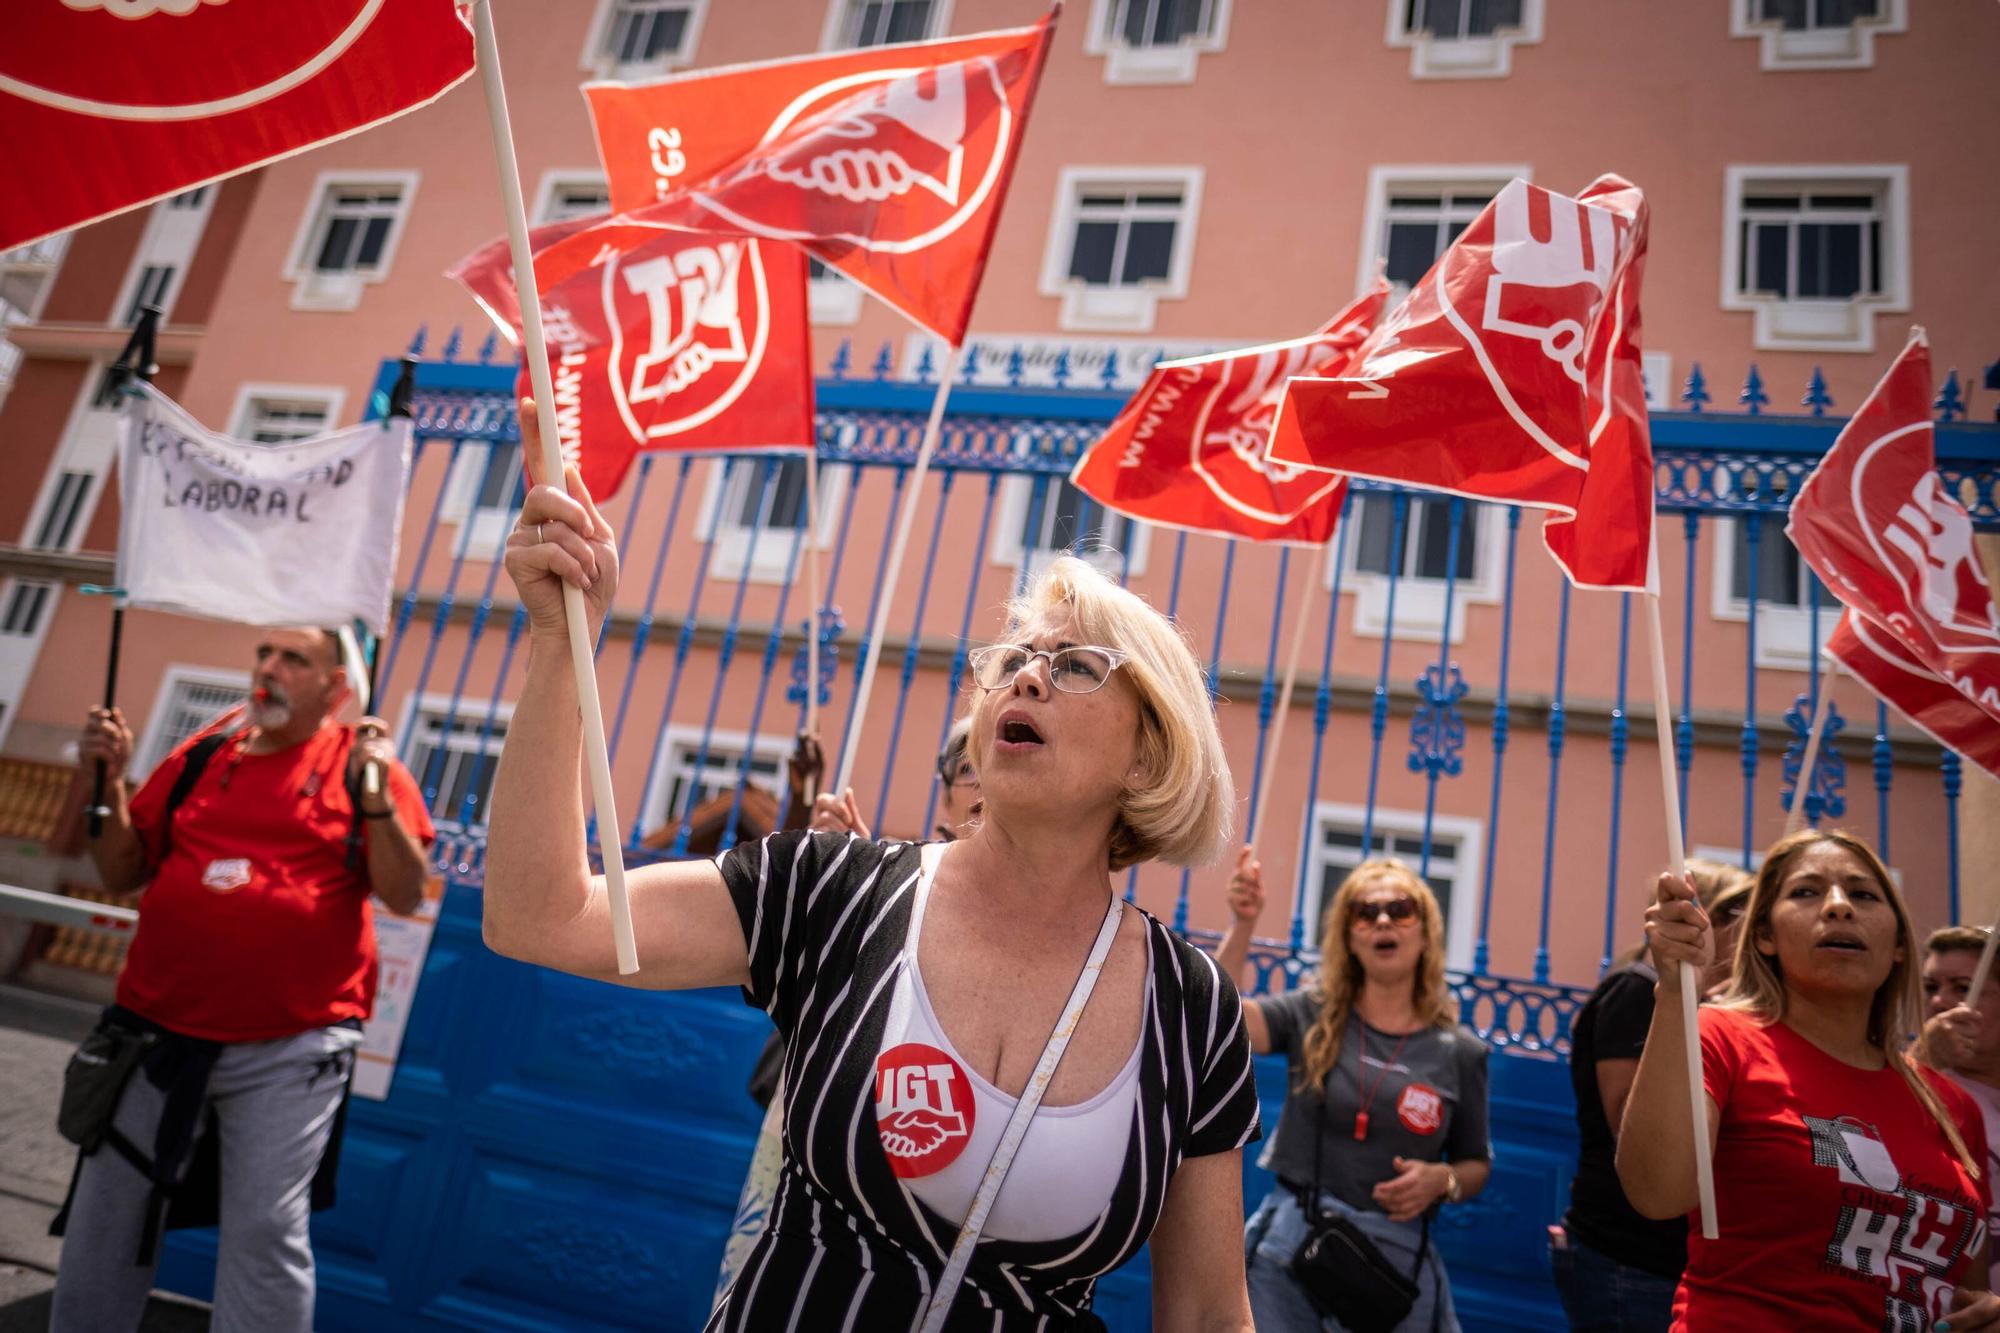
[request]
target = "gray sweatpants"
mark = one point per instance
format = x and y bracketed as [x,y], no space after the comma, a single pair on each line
[274,1106]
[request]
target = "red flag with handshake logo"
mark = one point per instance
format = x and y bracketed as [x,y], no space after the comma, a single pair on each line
[687,343]
[1878,527]
[109,104]
[1189,449]
[888,163]
[1511,372]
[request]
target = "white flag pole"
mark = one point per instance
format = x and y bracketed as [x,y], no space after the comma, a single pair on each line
[905,519]
[1284,702]
[582,656]
[1704,1168]
[1795,818]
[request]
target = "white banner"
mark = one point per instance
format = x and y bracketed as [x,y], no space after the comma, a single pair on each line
[299,533]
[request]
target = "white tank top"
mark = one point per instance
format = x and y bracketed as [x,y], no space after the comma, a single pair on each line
[940,1121]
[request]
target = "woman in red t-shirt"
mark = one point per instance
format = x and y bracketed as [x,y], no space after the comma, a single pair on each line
[1848,1191]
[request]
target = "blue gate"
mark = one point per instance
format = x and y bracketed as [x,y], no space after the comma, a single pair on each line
[561,1153]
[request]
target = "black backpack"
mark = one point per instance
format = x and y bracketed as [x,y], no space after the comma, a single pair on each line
[192,767]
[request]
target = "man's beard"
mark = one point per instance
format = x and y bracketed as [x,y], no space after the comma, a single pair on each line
[268,708]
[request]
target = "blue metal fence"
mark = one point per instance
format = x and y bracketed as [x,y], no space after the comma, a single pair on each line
[560,1153]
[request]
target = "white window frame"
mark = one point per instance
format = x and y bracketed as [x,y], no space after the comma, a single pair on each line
[1125,64]
[1118,309]
[566,178]
[1483,57]
[1420,601]
[342,291]
[686,740]
[173,234]
[1784,633]
[830,37]
[1851,47]
[596,60]
[420,711]
[770,556]
[1461,926]
[249,395]
[1006,549]
[154,744]
[1387,180]
[833,298]
[1819,325]
[482,529]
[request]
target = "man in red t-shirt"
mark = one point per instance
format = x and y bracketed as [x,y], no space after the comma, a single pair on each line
[255,964]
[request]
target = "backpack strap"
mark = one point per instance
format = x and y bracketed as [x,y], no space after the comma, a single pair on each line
[193,764]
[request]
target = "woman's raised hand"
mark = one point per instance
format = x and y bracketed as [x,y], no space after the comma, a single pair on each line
[561,537]
[1246,887]
[1677,930]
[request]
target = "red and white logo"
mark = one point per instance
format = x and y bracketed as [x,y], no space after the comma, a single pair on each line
[1927,546]
[1420,1108]
[705,310]
[226,875]
[924,1109]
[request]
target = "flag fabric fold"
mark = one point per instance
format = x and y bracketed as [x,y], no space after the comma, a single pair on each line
[1511,372]
[106,107]
[299,533]
[1188,450]
[1895,676]
[688,343]
[888,163]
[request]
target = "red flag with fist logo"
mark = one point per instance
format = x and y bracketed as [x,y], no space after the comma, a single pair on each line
[1189,449]
[1511,372]
[1878,527]
[688,343]
[1895,676]
[888,163]
[108,104]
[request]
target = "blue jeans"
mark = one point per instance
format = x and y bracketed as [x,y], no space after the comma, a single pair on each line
[1601,1295]
[1279,1305]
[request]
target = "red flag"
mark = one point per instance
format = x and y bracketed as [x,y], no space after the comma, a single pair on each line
[1897,678]
[109,104]
[1511,372]
[1188,449]
[1873,521]
[688,343]
[889,163]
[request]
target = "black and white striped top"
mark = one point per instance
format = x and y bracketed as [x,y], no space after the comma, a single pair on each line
[848,1246]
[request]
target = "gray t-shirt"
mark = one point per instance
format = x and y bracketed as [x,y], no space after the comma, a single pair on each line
[1426,1101]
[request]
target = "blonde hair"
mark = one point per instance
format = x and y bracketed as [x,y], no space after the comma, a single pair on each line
[1182,813]
[1757,986]
[1341,975]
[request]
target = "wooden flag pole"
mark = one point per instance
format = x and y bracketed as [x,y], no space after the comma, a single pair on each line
[905,519]
[1704,1167]
[813,596]
[582,657]
[1284,706]
[1795,818]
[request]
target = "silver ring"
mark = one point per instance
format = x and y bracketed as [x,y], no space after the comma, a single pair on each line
[538,534]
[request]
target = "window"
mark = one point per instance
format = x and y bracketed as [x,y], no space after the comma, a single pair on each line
[1155,41]
[348,238]
[482,492]
[1414,214]
[571,195]
[1461,39]
[152,290]
[274,414]
[1044,516]
[689,773]
[453,755]
[1420,564]
[25,607]
[1784,596]
[58,523]
[189,699]
[188,201]
[1816,34]
[1119,243]
[1452,873]
[1813,252]
[831,296]
[643,36]
[880,22]
[753,512]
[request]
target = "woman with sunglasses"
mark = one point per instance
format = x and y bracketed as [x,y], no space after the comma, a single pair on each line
[1386,1119]
[1849,1190]
[919,986]
[1616,1270]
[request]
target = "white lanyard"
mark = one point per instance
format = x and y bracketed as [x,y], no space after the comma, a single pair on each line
[1017,1128]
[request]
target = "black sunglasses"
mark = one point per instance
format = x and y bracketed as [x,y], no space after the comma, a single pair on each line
[1397,910]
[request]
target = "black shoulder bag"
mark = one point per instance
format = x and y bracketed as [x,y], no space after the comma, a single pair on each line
[1344,1274]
